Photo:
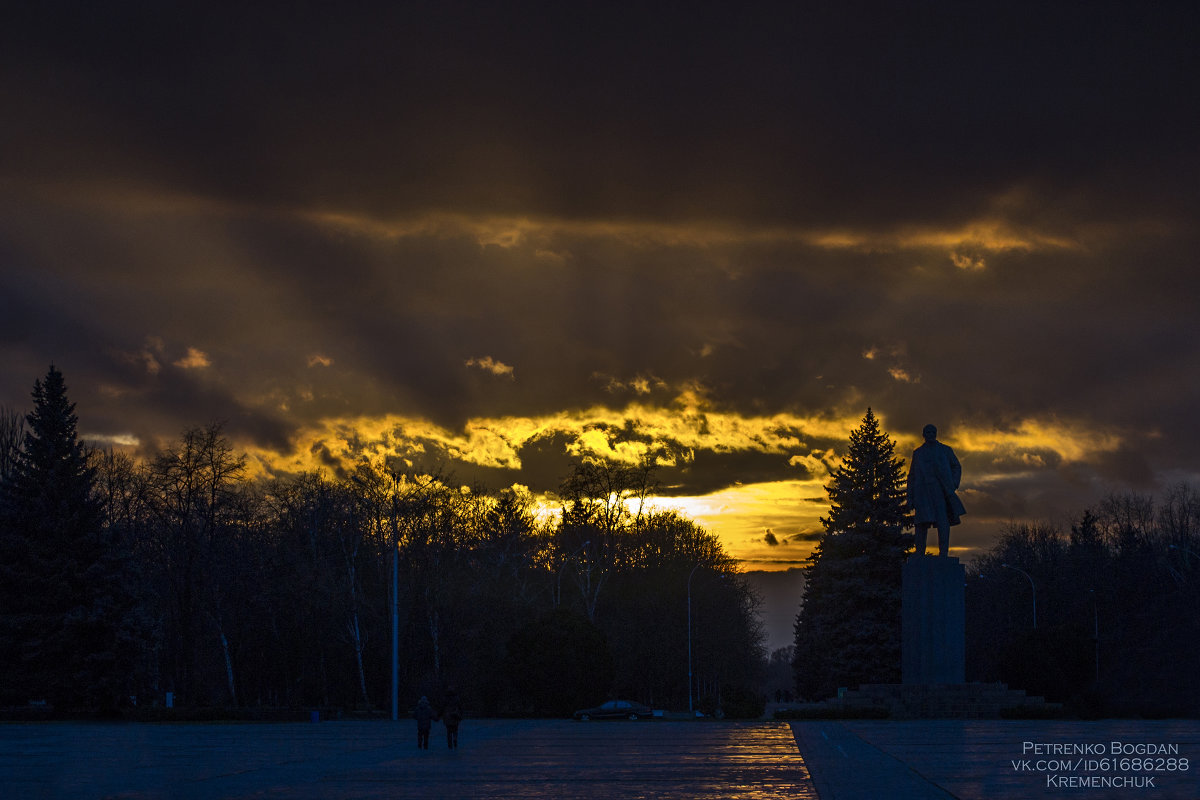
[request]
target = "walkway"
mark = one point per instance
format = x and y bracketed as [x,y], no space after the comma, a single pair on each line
[985,759]
[495,759]
[849,760]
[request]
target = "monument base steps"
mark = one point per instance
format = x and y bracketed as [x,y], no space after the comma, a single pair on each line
[940,700]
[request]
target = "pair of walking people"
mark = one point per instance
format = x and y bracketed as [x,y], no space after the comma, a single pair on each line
[451,715]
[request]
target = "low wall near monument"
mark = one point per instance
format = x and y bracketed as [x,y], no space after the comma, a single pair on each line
[937,701]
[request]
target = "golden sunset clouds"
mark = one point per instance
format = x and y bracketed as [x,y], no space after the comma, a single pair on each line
[395,232]
[740,514]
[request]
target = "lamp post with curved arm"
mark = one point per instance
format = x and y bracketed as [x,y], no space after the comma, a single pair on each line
[1180,548]
[1184,548]
[1096,630]
[1032,585]
[395,598]
[689,620]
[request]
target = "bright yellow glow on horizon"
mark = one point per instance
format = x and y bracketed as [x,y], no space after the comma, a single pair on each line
[739,515]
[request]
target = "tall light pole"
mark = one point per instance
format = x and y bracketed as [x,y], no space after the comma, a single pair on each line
[1174,572]
[689,615]
[395,629]
[1184,548]
[1096,631]
[1031,585]
[395,598]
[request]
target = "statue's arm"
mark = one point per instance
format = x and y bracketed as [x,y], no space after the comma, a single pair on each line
[955,468]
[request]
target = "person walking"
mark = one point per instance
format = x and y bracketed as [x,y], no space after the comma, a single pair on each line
[452,716]
[424,717]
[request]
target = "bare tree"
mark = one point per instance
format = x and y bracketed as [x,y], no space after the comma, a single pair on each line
[194,485]
[1179,514]
[605,502]
[12,437]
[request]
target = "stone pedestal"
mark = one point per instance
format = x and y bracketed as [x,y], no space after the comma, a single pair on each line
[934,618]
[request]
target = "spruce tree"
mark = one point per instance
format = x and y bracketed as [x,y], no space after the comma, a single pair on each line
[53,554]
[848,629]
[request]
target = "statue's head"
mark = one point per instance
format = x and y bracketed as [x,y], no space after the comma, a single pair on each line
[929,432]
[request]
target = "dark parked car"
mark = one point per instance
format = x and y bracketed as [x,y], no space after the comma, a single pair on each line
[615,709]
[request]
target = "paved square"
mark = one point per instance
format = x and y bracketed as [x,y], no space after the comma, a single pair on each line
[495,758]
[846,760]
[974,759]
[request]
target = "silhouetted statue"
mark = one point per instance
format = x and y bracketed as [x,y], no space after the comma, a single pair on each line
[933,479]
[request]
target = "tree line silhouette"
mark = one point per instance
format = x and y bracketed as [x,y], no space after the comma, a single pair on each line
[122,580]
[1117,607]
[126,579]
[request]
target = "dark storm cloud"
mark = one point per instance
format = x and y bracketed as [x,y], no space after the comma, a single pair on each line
[968,214]
[858,113]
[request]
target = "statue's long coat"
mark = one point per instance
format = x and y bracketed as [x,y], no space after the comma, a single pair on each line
[933,478]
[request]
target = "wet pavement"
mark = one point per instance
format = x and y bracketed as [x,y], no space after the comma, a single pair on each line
[495,759]
[984,759]
[846,760]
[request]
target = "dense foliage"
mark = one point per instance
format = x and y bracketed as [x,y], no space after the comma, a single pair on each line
[181,574]
[1118,596]
[68,625]
[848,628]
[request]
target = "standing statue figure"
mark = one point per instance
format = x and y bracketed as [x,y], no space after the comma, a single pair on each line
[933,478]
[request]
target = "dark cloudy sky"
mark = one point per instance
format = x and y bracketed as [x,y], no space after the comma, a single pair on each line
[495,237]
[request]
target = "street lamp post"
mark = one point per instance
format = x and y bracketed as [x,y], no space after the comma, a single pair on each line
[689,621]
[395,630]
[1096,631]
[1179,579]
[395,598]
[1032,585]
